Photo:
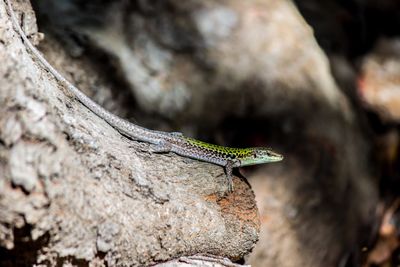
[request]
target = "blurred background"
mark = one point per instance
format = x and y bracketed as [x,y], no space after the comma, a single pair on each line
[318,81]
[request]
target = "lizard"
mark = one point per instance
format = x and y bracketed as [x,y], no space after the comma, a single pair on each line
[161,142]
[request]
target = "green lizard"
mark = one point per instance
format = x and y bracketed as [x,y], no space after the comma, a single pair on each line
[227,157]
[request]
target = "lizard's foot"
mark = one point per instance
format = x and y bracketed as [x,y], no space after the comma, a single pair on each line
[144,147]
[230,185]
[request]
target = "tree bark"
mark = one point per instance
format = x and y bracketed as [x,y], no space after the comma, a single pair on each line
[72,189]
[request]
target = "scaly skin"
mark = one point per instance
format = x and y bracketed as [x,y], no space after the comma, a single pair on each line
[242,156]
[162,141]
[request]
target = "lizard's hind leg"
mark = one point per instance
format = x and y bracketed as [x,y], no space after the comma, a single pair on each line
[161,147]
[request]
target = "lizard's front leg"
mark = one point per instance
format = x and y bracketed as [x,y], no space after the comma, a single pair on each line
[230,164]
[228,170]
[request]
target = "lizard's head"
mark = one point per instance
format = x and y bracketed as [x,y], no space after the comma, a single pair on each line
[260,155]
